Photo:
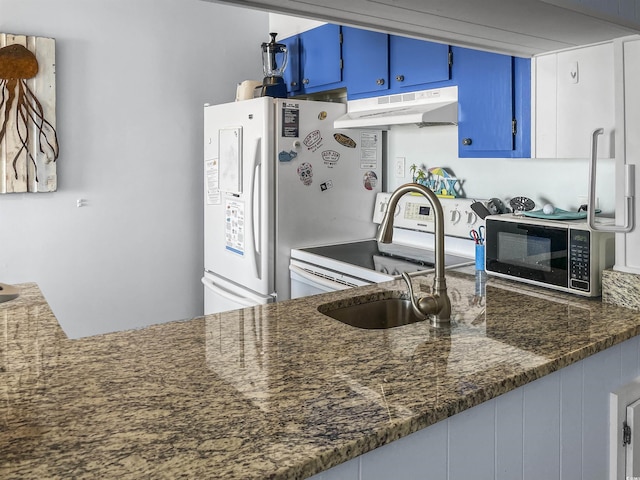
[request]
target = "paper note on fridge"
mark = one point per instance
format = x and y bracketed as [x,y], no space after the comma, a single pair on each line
[213,181]
[230,158]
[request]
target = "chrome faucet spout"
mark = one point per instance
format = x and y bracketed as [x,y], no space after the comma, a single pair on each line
[437,304]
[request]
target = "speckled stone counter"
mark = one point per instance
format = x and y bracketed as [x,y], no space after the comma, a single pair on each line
[621,288]
[279,391]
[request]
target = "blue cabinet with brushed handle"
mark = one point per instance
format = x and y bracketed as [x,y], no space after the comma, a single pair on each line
[365,56]
[315,60]
[416,63]
[375,63]
[493,104]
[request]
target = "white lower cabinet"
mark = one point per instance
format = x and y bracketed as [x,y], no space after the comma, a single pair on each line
[555,428]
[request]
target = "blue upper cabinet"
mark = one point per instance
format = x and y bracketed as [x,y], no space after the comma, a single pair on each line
[365,56]
[493,105]
[292,72]
[494,91]
[416,62]
[380,64]
[320,54]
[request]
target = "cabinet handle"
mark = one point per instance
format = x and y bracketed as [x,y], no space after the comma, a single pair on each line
[294,84]
[466,141]
[380,81]
[305,81]
[400,78]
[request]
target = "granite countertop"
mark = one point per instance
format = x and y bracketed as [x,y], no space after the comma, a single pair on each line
[278,391]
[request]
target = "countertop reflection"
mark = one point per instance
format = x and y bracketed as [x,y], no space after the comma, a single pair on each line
[276,391]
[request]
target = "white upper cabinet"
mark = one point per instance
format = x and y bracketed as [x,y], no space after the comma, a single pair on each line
[573,95]
[519,28]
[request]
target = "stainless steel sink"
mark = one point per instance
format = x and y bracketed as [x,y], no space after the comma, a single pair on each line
[373,314]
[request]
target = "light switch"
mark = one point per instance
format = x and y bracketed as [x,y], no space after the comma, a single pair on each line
[399,167]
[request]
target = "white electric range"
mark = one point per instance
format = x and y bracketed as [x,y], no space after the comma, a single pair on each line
[328,268]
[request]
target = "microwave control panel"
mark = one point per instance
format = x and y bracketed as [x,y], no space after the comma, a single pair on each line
[579,264]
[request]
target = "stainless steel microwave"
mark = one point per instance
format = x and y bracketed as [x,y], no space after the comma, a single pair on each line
[563,255]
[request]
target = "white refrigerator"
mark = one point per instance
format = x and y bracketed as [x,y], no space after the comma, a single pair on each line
[279,176]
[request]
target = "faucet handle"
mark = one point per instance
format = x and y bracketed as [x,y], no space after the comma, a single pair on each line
[414,303]
[429,305]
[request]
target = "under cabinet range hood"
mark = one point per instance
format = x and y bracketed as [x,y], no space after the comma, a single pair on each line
[423,108]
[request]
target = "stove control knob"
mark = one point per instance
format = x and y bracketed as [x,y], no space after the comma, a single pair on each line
[384,270]
[455,216]
[471,218]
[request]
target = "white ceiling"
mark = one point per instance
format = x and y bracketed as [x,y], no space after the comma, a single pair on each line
[514,27]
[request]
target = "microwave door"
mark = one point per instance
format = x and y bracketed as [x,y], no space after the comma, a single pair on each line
[528,252]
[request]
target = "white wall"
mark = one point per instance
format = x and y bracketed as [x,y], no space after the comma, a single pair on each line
[286,26]
[132,78]
[558,181]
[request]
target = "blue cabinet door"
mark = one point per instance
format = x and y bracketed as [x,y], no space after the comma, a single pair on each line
[320,57]
[416,62]
[485,102]
[365,57]
[292,72]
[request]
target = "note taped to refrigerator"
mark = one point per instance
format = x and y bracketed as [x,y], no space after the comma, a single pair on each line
[369,150]
[212,176]
[234,226]
[230,159]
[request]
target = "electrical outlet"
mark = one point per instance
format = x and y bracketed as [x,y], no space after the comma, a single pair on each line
[399,167]
[582,200]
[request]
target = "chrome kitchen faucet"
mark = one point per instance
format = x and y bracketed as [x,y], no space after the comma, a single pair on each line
[437,304]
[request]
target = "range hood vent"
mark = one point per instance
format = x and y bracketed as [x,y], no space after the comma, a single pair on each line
[423,108]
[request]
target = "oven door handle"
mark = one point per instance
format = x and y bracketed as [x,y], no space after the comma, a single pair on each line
[317,279]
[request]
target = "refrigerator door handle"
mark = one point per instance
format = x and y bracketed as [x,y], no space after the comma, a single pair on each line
[629,192]
[255,219]
[223,292]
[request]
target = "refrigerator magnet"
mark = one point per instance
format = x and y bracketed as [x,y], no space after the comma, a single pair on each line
[344,140]
[287,156]
[313,141]
[324,186]
[370,180]
[305,172]
[330,157]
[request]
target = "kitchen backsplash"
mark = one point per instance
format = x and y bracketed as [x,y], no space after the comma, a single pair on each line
[560,182]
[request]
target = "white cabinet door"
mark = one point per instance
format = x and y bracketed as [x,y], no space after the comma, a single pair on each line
[574,95]
[628,244]
[632,455]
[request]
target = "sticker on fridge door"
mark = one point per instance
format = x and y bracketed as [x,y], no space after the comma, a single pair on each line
[290,120]
[370,180]
[344,140]
[234,226]
[330,157]
[305,171]
[212,177]
[313,140]
[369,149]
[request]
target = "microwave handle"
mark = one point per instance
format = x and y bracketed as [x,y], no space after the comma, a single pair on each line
[629,187]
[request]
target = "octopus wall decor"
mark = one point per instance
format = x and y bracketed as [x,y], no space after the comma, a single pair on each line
[28,139]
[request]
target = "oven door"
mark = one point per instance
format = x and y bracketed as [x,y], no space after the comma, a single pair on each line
[307,279]
[531,252]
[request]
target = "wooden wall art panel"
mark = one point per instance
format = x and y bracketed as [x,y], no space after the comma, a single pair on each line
[28,139]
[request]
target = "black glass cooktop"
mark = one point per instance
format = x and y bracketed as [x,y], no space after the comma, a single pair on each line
[355,253]
[365,253]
